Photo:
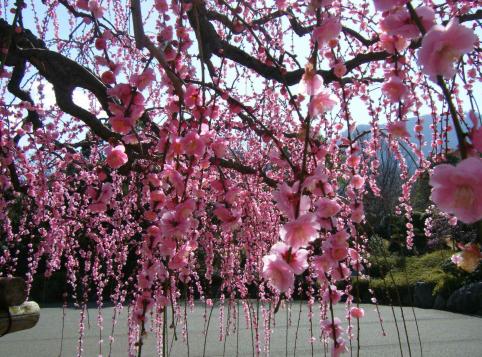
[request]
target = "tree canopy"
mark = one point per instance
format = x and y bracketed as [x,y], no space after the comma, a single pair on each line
[153,147]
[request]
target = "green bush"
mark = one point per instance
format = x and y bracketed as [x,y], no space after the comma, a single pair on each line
[393,278]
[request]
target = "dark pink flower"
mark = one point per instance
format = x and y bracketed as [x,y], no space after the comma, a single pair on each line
[116,157]
[357,312]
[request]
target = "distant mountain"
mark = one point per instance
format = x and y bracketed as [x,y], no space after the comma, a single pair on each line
[427,133]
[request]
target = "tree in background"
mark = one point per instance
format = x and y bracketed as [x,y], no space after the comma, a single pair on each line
[138,137]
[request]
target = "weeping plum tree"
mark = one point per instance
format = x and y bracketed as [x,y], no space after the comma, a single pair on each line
[155,146]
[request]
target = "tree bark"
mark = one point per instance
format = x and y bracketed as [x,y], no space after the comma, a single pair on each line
[13,292]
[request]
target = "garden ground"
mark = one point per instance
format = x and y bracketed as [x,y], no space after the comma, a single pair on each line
[442,333]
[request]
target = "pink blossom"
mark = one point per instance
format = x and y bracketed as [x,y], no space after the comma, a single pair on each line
[231,218]
[161,5]
[476,132]
[193,144]
[442,46]
[329,29]
[300,232]
[358,213]
[357,312]
[357,181]
[173,224]
[339,69]
[108,77]
[340,272]
[116,157]
[327,208]
[318,182]
[288,200]
[394,89]
[458,189]
[399,22]
[476,137]
[96,9]
[398,129]
[332,328]
[393,44]
[384,5]
[83,4]
[143,80]
[219,147]
[282,4]
[120,124]
[311,83]
[191,96]
[322,102]
[296,259]
[278,272]
[181,258]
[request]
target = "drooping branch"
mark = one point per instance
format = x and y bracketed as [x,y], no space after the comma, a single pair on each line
[142,41]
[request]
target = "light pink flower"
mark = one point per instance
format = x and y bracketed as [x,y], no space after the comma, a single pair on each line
[358,213]
[311,83]
[394,89]
[288,200]
[384,5]
[442,46]
[393,44]
[327,208]
[399,22]
[357,181]
[116,157]
[322,102]
[329,328]
[300,232]
[476,132]
[143,80]
[458,189]
[96,9]
[398,129]
[329,29]
[278,272]
[296,259]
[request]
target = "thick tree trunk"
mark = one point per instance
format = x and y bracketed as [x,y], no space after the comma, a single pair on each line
[13,292]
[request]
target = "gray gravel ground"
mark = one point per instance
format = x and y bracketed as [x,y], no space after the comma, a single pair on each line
[442,334]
